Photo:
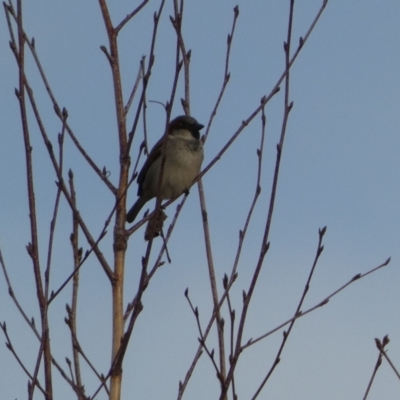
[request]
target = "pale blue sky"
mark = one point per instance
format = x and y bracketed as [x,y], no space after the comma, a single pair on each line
[340,168]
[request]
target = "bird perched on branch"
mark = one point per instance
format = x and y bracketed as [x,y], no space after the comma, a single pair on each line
[183,157]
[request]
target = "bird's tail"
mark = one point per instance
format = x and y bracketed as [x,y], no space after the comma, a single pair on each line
[134,211]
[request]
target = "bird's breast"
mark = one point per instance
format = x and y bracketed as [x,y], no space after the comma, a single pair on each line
[182,165]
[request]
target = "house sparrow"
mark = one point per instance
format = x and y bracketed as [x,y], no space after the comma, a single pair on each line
[184,155]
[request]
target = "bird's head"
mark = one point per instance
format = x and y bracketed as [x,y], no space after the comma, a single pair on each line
[184,125]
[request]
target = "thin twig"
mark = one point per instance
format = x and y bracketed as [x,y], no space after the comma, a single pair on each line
[177,24]
[130,16]
[320,304]
[78,348]
[243,232]
[247,296]
[31,387]
[263,102]
[62,185]
[183,385]
[32,325]
[33,247]
[55,293]
[168,108]
[380,345]
[213,282]
[146,76]
[55,212]
[202,342]
[286,334]
[232,315]
[265,99]
[77,256]
[158,263]
[30,322]
[135,86]
[10,347]
[59,113]
[227,73]
[377,365]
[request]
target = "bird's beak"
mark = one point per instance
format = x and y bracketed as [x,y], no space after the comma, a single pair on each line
[199,126]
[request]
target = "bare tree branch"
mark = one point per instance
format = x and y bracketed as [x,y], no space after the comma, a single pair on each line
[319,304]
[33,247]
[381,347]
[10,347]
[58,110]
[131,15]
[377,365]
[227,74]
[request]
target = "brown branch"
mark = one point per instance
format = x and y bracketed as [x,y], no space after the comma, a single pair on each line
[31,44]
[202,340]
[243,232]
[213,283]
[183,385]
[232,316]
[227,74]
[10,347]
[318,305]
[139,77]
[54,294]
[31,387]
[78,349]
[60,113]
[120,238]
[55,212]
[381,347]
[93,247]
[177,24]
[75,388]
[158,263]
[65,191]
[121,339]
[206,230]
[168,108]
[287,108]
[263,102]
[33,247]
[377,365]
[146,76]
[56,167]
[11,292]
[32,325]
[138,307]
[77,256]
[143,281]
[116,365]
[146,145]
[265,244]
[130,16]
[266,99]
[233,277]
[61,183]
[286,334]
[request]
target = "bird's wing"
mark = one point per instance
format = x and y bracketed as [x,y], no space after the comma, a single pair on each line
[154,154]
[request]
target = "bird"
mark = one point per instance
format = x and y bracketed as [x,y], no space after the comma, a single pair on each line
[184,155]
